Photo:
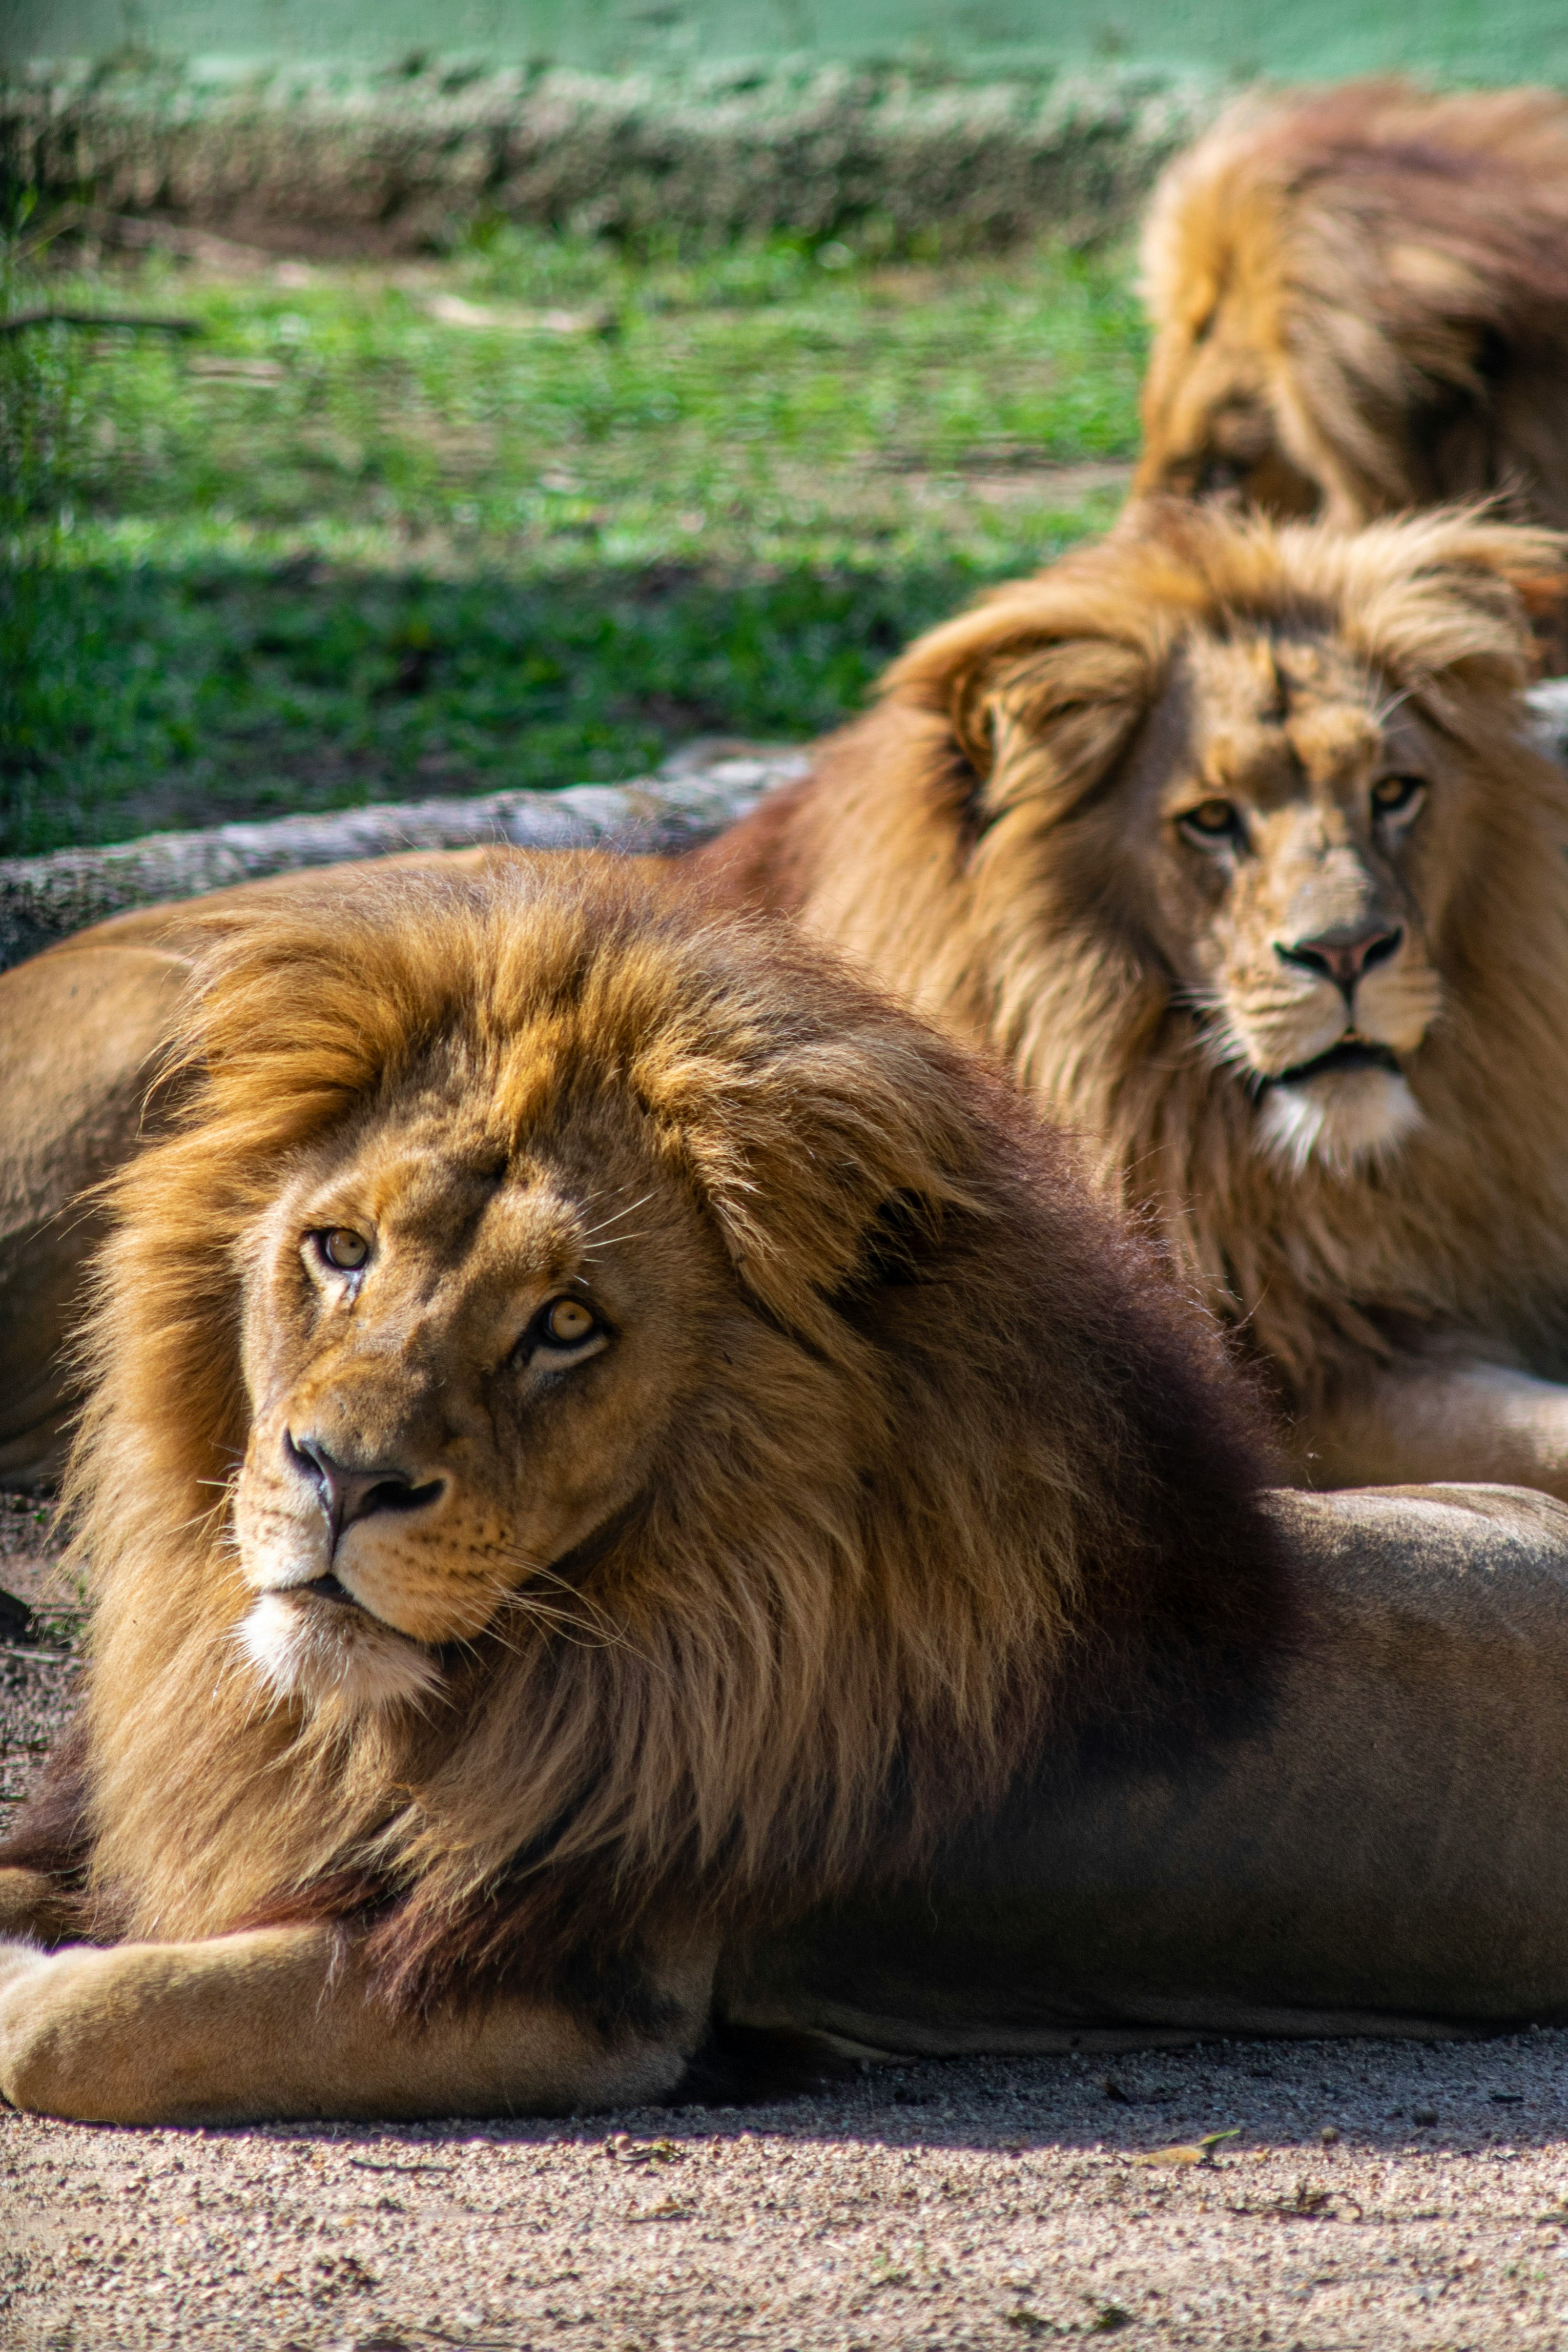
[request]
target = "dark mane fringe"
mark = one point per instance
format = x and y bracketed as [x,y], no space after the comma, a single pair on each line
[1050,1537]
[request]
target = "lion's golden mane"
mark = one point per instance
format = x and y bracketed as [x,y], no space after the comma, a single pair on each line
[972,843]
[1360,300]
[961,1479]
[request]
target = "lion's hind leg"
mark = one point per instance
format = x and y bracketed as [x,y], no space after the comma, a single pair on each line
[278,2021]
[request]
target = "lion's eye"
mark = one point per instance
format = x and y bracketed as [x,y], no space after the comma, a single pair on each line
[344,1248]
[1210,821]
[1393,796]
[568,1322]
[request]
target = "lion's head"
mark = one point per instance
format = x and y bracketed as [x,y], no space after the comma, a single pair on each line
[1227,839]
[596,1413]
[1359,303]
[1271,832]
[441,1332]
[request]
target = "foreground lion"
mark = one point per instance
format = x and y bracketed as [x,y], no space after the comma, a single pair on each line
[694,1440]
[1227,842]
[631,1493]
[1359,303]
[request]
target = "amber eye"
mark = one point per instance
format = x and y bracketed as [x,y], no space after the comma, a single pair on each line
[344,1248]
[1211,820]
[568,1322]
[1391,794]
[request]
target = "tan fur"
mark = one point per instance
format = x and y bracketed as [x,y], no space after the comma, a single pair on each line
[1360,302]
[890,1460]
[1001,841]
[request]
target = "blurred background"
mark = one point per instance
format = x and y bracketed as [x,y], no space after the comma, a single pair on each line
[398,402]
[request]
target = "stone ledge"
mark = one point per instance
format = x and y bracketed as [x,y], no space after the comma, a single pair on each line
[695,795]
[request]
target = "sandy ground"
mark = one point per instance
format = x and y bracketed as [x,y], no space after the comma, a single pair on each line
[1371,2194]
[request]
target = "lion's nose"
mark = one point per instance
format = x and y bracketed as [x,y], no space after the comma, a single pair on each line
[348,1491]
[1220,479]
[1344,954]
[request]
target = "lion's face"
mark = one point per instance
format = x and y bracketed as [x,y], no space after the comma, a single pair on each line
[460,1361]
[1224,417]
[1292,839]
[1211,429]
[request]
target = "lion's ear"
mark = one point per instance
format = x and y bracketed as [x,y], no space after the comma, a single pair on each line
[1455,595]
[1532,562]
[829,1167]
[1056,681]
[900,1243]
[1534,565]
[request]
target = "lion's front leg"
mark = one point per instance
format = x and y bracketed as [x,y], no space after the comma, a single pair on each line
[1441,1423]
[276,2023]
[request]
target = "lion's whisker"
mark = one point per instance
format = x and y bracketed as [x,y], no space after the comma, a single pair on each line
[572,1630]
[1383,711]
[630,1210]
[593,1627]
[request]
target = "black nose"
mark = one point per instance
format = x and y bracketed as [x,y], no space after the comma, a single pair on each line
[348,1492]
[1344,955]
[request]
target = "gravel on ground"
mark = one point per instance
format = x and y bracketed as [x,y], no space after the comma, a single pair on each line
[1240,2195]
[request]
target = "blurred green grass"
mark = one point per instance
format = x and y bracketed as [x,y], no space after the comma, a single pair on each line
[531,513]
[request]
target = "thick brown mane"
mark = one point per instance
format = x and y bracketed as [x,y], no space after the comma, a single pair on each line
[953,1474]
[1360,298]
[975,844]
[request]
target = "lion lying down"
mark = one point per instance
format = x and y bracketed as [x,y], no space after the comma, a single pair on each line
[629,1489]
[1359,303]
[1227,840]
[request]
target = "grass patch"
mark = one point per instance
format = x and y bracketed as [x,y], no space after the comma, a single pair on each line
[530,514]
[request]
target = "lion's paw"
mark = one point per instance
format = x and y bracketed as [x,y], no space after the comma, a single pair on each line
[30,2037]
[19,1956]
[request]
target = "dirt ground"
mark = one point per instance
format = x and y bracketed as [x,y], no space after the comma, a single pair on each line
[1372,2194]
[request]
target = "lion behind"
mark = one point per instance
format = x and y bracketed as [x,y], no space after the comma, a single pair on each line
[1360,301]
[1010,840]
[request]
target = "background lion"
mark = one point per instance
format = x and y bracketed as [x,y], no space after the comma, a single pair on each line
[1360,302]
[605,1431]
[1226,840]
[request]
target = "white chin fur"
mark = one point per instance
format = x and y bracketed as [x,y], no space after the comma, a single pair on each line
[1342,1120]
[317,1652]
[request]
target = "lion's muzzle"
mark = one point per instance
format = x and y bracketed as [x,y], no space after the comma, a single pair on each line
[348,1491]
[309,1635]
[1343,954]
